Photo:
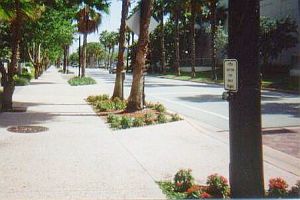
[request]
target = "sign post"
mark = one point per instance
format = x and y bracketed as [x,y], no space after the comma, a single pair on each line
[231,75]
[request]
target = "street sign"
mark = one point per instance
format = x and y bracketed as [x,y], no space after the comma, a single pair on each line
[231,75]
[134,23]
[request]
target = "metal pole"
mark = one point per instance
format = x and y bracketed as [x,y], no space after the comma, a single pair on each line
[79,53]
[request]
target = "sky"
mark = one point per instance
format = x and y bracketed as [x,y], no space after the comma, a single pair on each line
[110,22]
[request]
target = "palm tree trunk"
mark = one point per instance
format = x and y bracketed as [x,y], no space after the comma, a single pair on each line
[162,39]
[193,51]
[246,153]
[84,55]
[135,100]
[118,90]
[213,8]
[8,83]
[177,59]
[127,57]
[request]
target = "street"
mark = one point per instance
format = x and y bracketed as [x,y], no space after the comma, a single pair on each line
[203,102]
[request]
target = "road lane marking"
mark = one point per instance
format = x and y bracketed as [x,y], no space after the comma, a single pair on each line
[191,107]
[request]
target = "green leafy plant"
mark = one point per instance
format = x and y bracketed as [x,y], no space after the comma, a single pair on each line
[194,192]
[76,81]
[116,122]
[162,118]
[175,117]
[111,118]
[168,189]
[149,118]
[126,122]
[277,188]
[138,122]
[104,106]
[20,81]
[183,180]
[119,104]
[217,186]
[160,108]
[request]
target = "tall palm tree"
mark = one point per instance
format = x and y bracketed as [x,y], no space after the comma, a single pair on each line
[105,42]
[113,38]
[89,18]
[15,12]
[118,90]
[135,100]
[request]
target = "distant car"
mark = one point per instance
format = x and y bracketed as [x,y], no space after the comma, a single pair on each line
[113,68]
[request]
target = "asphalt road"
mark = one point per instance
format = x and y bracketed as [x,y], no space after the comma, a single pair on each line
[203,102]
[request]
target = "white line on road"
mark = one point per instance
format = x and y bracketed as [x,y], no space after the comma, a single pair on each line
[191,107]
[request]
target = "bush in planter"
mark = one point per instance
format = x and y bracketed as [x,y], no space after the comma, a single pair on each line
[116,122]
[183,180]
[149,118]
[194,192]
[20,81]
[126,122]
[217,186]
[277,188]
[138,122]
[104,106]
[162,118]
[119,104]
[93,99]
[295,191]
[175,117]
[160,108]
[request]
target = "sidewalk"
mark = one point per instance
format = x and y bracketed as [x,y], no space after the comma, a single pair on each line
[81,158]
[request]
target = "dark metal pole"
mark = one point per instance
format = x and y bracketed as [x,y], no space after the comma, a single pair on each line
[79,53]
[246,157]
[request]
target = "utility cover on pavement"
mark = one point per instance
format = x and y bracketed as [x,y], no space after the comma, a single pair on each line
[27,129]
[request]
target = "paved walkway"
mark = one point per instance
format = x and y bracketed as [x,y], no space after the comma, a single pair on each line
[81,158]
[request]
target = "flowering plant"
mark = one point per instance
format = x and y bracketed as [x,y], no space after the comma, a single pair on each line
[194,192]
[277,188]
[205,195]
[183,180]
[217,186]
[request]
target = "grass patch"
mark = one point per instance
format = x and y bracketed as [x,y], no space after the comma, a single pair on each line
[201,77]
[113,111]
[76,81]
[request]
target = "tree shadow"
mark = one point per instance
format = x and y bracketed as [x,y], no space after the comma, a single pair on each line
[203,98]
[42,83]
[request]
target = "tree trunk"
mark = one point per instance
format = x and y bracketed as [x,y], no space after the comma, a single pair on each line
[193,46]
[8,83]
[84,55]
[162,39]
[213,8]
[135,100]
[127,57]
[108,58]
[177,59]
[65,59]
[246,158]
[118,90]
[112,56]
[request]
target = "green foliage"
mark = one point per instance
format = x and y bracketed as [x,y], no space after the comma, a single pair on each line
[277,188]
[217,186]
[94,99]
[126,122]
[168,189]
[160,108]
[149,118]
[162,118]
[276,36]
[26,75]
[183,180]
[116,122]
[76,81]
[20,81]
[138,122]
[103,104]
[175,117]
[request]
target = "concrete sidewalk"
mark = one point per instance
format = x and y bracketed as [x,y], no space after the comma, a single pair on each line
[81,158]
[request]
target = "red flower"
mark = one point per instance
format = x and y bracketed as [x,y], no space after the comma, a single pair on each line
[278,183]
[179,184]
[205,195]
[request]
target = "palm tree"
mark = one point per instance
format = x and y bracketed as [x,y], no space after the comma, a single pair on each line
[105,42]
[118,90]
[15,13]
[113,41]
[89,18]
[135,100]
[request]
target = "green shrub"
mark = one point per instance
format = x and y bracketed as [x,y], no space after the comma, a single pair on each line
[138,122]
[93,99]
[295,191]
[160,108]
[126,122]
[277,188]
[162,118]
[111,118]
[104,106]
[149,118]
[175,117]
[26,75]
[119,104]
[183,180]
[217,186]
[20,81]
[76,81]
[116,122]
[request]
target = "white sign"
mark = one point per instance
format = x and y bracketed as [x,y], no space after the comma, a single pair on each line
[231,75]
[134,23]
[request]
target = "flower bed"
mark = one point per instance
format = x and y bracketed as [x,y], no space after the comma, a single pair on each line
[113,110]
[183,186]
